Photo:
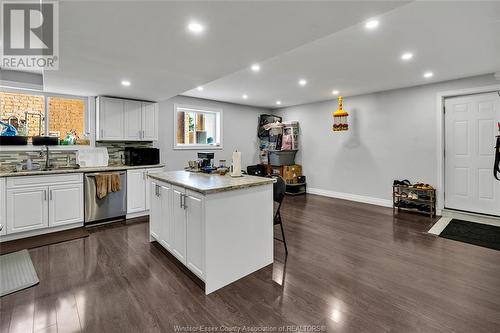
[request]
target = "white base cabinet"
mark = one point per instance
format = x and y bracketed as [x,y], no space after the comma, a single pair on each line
[220,237]
[27,209]
[65,204]
[138,191]
[38,202]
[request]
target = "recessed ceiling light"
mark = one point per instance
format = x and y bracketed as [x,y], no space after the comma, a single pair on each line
[126,83]
[278,102]
[196,27]
[245,96]
[302,82]
[200,88]
[428,75]
[407,56]
[371,24]
[335,92]
[255,67]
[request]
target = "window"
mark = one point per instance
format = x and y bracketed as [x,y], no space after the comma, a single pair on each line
[34,114]
[197,127]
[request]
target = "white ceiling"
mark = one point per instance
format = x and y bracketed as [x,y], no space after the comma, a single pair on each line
[452,39]
[146,42]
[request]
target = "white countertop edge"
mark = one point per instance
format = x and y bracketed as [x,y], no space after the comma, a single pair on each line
[260,181]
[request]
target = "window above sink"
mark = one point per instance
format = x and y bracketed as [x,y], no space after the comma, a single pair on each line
[35,113]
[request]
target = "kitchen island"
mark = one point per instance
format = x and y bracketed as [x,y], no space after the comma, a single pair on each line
[220,228]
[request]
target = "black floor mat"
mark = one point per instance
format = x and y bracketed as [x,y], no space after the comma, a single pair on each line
[473,233]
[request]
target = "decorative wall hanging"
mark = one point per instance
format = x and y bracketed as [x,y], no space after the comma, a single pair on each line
[340,118]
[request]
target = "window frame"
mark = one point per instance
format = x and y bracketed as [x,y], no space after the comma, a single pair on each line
[202,109]
[46,96]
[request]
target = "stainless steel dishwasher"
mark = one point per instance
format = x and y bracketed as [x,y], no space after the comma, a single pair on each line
[113,206]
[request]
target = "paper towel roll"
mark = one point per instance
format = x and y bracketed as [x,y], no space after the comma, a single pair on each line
[236,172]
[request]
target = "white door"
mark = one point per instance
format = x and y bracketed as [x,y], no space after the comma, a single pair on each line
[166,228]
[133,119]
[136,190]
[65,204]
[150,121]
[156,211]
[178,224]
[111,119]
[195,247]
[3,227]
[27,209]
[471,127]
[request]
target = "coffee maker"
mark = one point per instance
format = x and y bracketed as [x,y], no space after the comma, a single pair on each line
[206,164]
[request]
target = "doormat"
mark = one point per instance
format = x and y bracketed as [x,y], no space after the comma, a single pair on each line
[473,233]
[16,272]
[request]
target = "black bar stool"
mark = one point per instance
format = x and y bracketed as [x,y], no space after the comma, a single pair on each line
[278,194]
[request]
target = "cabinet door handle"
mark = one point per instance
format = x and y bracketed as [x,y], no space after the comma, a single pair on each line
[44,195]
[184,203]
[50,195]
[180,199]
[102,133]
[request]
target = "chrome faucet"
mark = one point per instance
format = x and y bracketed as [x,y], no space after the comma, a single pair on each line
[47,157]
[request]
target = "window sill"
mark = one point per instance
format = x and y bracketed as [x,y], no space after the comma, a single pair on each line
[193,147]
[37,148]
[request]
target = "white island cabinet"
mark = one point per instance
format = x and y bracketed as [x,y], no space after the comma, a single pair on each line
[3,215]
[221,228]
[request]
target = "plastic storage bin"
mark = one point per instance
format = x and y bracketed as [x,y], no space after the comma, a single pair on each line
[282,157]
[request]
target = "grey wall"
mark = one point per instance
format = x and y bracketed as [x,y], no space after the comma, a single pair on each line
[392,135]
[239,132]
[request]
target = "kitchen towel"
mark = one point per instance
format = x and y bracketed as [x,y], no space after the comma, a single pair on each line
[107,183]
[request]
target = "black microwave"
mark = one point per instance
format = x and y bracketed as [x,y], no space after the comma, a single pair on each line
[142,156]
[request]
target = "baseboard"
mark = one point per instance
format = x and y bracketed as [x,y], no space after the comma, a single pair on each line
[351,197]
[38,232]
[137,214]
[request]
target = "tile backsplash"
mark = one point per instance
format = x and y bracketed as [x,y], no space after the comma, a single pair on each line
[58,158]
[61,158]
[116,149]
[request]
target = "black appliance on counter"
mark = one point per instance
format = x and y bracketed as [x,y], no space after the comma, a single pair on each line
[141,156]
[206,164]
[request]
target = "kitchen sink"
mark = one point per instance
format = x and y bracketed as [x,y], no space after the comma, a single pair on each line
[62,168]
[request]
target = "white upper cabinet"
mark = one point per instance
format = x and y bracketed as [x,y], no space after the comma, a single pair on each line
[133,120]
[126,120]
[111,119]
[150,121]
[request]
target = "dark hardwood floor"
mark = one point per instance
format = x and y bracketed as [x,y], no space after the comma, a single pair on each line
[352,268]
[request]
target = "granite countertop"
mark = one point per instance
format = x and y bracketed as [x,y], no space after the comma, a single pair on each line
[207,184]
[9,172]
